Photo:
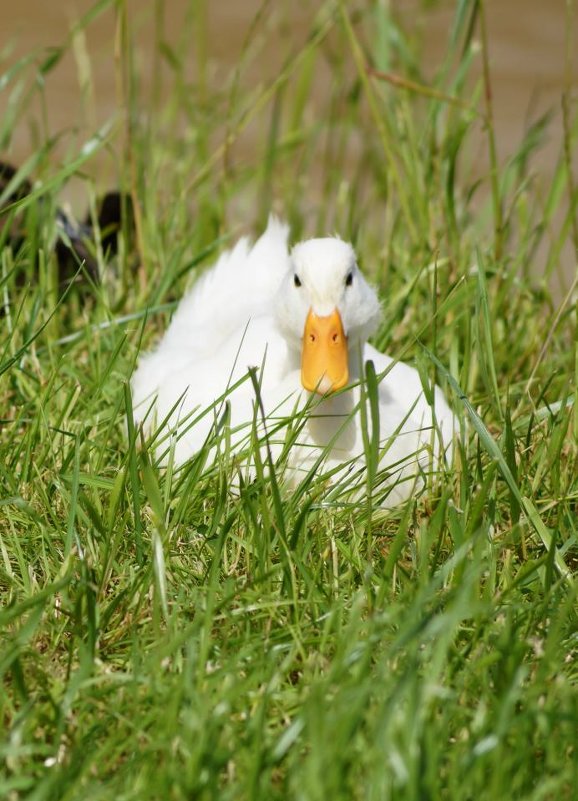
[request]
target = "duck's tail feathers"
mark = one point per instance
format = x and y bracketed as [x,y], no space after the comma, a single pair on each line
[238,286]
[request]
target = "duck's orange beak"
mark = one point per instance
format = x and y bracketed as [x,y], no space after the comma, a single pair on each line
[324,362]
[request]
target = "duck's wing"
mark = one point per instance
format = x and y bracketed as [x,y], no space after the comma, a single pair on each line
[241,285]
[210,326]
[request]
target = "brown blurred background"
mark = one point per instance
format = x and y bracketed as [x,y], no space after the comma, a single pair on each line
[527,48]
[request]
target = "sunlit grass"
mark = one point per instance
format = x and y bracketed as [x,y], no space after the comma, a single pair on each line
[191,634]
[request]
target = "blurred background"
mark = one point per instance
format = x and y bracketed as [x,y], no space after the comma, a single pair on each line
[222,49]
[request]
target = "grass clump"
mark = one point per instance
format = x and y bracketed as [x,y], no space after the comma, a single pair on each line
[163,637]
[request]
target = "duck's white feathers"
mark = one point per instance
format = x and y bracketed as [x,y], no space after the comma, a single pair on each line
[240,285]
[221,327]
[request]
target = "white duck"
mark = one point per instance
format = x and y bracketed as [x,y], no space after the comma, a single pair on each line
[302,319]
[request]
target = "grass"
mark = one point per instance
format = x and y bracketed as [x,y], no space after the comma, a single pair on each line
[166,638]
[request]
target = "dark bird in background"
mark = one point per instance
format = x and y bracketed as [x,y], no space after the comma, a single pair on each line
[75,243]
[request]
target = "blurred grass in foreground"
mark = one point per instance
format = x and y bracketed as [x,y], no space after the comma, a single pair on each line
[162,638]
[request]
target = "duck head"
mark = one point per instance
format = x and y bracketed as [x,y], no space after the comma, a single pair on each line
[326,310]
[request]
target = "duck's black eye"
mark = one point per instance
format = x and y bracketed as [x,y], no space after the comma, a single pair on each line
[349,279]
[296,280]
